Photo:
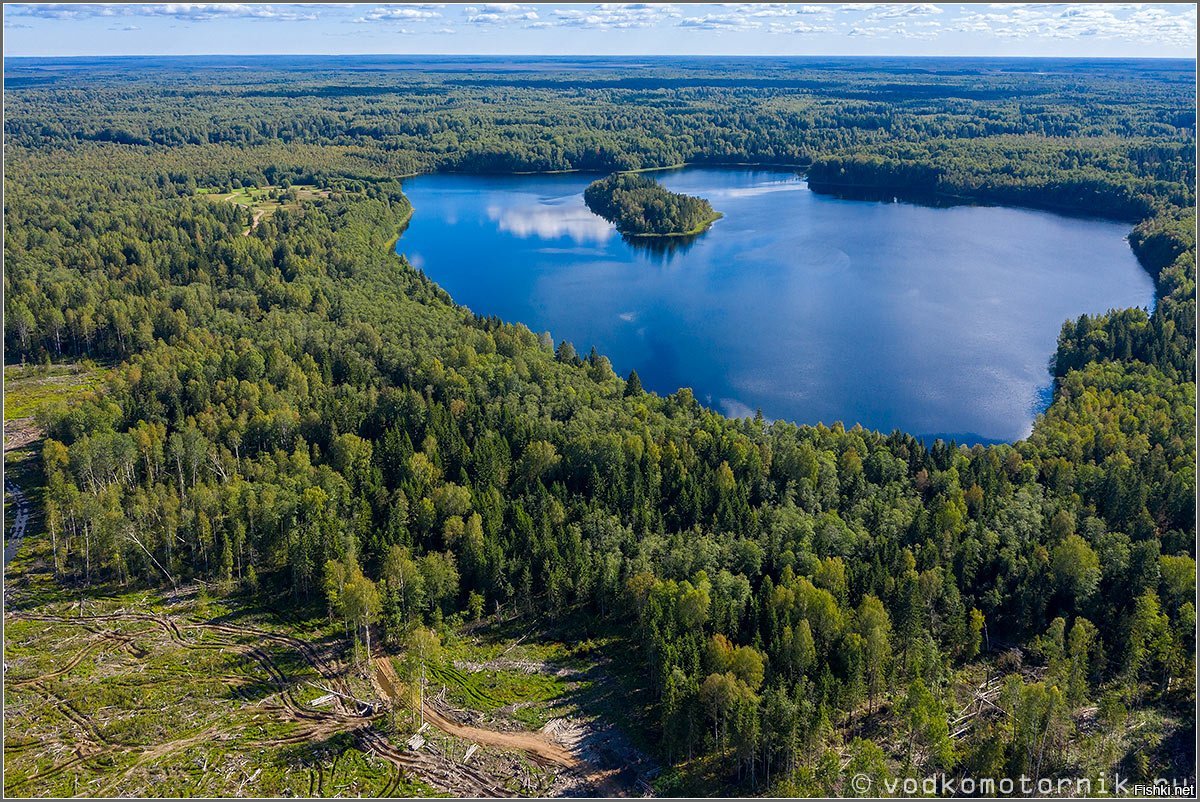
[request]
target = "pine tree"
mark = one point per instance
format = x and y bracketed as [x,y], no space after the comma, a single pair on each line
[633,385]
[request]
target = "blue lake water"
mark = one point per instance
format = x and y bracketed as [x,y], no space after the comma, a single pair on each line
[806,306]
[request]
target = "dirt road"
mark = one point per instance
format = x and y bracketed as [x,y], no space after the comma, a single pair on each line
[537,746]
[315,724]
[258,216]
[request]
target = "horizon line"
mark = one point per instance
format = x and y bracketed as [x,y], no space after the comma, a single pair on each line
[610,55]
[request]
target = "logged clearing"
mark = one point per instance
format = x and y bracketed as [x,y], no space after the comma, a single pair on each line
[197,693]
[104,700]
[30,389]
[535,745]
[144,699]
[576,750]
[189,693]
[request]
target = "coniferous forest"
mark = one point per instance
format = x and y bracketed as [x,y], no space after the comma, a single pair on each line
[293,415]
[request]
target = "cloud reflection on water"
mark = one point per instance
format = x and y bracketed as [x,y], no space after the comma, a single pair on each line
[552,221]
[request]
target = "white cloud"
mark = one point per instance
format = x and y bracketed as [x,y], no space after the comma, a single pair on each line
[898,30]
[57,11]
[863,7]
[719,22]
[777,9]
[499,13]
[404,13]
[552,222]
[183,11]
[1133,22]
[799,26]
[910,10]
[613,16]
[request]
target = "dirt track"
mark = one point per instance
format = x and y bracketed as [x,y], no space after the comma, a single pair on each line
[536,745]
[315,724]
[258,216]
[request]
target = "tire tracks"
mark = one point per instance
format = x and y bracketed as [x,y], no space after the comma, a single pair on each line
[439,772]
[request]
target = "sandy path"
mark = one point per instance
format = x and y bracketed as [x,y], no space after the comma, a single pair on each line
[389,682]
[258,216]
[536,745]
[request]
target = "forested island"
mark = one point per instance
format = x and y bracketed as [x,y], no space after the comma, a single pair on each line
[282,489]
[641,207]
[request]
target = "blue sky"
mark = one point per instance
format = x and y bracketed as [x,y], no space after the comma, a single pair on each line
[1000,29]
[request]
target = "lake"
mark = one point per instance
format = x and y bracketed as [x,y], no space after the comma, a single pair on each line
[805,306]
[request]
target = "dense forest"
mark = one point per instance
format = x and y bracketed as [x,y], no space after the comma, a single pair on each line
[640,207]
[295,410]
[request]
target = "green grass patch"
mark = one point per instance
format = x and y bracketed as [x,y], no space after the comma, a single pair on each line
[30,389]
[527,696]
[266,201]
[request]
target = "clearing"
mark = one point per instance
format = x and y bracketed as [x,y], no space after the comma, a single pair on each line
[30,389]
[149,692]
[263,202]
[192,693]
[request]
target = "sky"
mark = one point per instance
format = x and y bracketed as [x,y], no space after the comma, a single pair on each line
[922,29]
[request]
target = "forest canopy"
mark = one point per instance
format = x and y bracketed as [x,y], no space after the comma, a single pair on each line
[290,403]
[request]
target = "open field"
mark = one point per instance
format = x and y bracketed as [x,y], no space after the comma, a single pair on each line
[29,389]
[263,202]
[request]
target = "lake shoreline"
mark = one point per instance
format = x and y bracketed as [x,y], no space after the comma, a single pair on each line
[551,266]
[845,191]
[695,232]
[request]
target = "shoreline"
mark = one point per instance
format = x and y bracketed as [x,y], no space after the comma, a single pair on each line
[583,171]
[600,199]
[695,232]
[968,439]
